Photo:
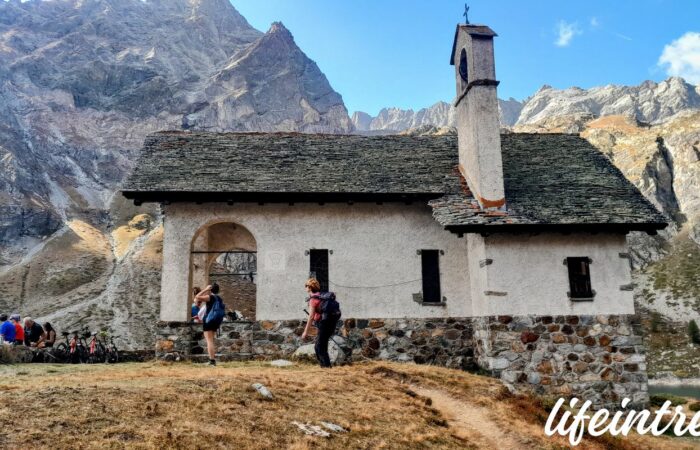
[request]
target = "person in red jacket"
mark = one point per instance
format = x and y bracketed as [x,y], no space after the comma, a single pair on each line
[326,327]
[19,329]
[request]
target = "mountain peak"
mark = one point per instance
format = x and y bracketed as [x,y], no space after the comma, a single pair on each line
[278,28]
[678,81]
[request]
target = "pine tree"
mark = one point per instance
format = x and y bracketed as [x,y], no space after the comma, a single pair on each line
[694,332]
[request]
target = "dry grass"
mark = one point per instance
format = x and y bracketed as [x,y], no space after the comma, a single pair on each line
[155,405]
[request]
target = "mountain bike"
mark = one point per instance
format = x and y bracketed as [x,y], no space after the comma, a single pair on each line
[96,350]
[73,350]
[62,350]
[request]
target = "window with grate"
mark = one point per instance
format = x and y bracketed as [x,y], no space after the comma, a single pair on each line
[318,267]
[430,262]
[580,278]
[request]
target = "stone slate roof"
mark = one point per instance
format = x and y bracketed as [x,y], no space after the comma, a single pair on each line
[550,179]
[554,179]
[291,162]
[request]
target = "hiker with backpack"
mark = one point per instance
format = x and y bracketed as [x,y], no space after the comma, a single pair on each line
[324,313]
[214,316]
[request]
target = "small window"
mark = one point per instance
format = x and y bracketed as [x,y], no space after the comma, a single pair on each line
[318,267]
[431,276]
[580,278]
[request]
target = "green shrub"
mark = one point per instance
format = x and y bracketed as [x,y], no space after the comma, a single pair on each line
[695,406]
[660,399]
[694,332]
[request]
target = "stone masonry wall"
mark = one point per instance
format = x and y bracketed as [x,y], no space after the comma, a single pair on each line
[597,358]
[446,342]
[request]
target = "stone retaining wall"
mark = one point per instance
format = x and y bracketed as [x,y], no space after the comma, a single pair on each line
[599,358]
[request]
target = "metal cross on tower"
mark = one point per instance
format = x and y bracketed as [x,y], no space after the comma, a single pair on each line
[466,14]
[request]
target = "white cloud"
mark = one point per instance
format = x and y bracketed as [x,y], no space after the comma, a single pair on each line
[566,32]
[595,23]
[682,57]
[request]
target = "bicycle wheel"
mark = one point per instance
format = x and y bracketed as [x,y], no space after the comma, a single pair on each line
[93,352]
[112,355]
[83,354]
[61,352]
[100,353]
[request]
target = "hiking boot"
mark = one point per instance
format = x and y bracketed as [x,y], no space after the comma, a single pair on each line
[212,362]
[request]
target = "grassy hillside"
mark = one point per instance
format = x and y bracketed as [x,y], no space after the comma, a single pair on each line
[154,405]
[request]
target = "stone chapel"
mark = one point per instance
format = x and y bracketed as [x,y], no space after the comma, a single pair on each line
[505,252]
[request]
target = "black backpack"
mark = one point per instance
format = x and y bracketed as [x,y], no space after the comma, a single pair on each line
[330,308]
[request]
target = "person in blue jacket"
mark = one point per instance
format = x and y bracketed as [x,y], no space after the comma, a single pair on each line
[7,329]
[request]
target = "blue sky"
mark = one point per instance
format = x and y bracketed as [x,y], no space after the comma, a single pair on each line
[379,53]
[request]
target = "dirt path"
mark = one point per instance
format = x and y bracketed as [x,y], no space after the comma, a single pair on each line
[471,422]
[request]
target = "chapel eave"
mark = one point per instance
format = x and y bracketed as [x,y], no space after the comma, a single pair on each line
[140,197]
[564,228]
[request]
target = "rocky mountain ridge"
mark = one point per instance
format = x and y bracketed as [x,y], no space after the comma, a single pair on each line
[441,114]
[649,102]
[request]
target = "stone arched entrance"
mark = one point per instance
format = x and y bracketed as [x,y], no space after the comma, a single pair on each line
[226,253]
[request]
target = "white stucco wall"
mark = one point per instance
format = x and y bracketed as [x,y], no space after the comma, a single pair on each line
[373,245]
[530,270]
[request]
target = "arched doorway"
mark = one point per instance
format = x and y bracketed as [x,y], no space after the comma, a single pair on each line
[226,253]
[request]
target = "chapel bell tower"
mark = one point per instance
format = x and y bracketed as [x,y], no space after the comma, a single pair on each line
[478,127]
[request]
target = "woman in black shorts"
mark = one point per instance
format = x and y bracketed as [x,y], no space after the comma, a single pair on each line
[209,295]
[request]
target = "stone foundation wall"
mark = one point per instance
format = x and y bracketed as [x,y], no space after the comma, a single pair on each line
[445,342]
[239,340]
[599,358]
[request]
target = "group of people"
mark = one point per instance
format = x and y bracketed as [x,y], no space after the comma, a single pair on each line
[31,334]
[324,314]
